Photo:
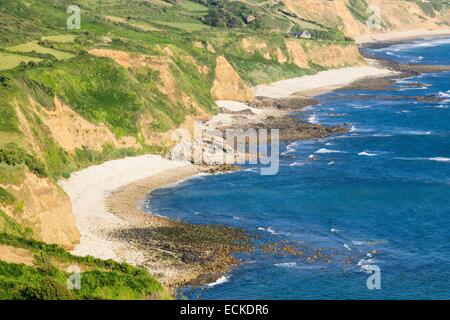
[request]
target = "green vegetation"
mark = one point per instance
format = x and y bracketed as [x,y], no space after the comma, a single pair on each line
[359,9]
[47,278]
[165,76]
[13,155]
[10,60]
[6,198]
[64,38]
[33,46]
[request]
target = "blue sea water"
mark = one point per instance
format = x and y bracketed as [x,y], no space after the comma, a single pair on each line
[377,195]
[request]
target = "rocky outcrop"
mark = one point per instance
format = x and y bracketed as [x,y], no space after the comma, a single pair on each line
[228,85]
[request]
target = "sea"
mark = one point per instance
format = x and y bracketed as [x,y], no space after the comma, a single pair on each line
[365,214]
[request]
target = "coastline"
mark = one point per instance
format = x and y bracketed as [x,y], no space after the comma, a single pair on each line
[106,199]
[399,36]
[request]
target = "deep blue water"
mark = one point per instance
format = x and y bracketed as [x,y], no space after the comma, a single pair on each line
[383,188]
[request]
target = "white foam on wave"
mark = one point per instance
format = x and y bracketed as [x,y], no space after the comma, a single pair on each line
[291,147]
[353,128]
[436,159]
[296,164]
[330,163]
[367,154]
[415,44]
[269,230]
[346,246]
[415,132]
[441,106]
[286,264]
[440,159]
[366,262]
[444,94]
[221,280]
[313,119]
[325,150]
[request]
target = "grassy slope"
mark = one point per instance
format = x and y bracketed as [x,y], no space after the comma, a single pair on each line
[104,92]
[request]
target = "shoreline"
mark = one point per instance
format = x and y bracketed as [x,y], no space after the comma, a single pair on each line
[107,199]
[107,203]
[400,36]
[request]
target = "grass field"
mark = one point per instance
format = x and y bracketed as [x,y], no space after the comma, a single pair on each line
[10,61]
[63,38]
[192,6]
[160,3]
[34,46]
[186,26]
[137,24]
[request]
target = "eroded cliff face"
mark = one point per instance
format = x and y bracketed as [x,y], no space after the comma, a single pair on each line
[71,131]
[228,85]
[400,15]
[46,209]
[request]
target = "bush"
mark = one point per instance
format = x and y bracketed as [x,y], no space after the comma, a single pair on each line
[47,289]
[6,197]
[13,155]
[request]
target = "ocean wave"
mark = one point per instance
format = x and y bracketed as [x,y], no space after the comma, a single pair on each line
[366,262]
[440,159]
[436,159]
[441,106]
[221,280]
[269,230]
[325,150]
[444,94]
[330,163]
[368,154]
[414,132]
[414,44]
[313,119]
[291,147]
[353,128]
[346,246]
[286,264]
[297,164]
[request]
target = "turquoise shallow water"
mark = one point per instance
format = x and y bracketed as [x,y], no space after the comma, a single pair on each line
[382,189]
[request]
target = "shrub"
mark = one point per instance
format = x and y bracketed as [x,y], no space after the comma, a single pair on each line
[13,155]
[6,197]
[47,289]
